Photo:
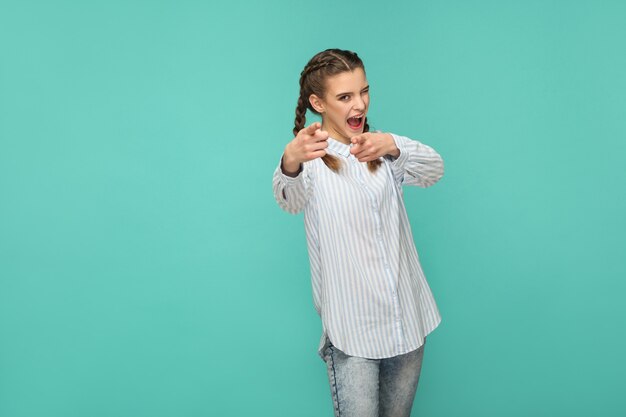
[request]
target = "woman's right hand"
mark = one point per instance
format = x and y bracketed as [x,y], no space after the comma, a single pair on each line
[310,143]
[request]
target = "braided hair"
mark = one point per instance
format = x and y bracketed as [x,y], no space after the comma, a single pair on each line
[312,81]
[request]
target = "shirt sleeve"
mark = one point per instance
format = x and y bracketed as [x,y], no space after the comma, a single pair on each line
[292,193]
[418,164]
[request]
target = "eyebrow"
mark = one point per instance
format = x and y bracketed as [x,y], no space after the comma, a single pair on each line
[367,87]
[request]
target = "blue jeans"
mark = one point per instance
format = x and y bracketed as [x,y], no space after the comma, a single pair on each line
[363,387]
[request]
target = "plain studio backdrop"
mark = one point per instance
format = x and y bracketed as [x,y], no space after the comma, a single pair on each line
[146,270]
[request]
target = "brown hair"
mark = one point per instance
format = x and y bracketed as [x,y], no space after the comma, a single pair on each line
[312,81]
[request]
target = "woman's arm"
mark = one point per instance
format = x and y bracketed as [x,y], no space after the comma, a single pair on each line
[292,182]
[291,192]
[413,163]
[417,164]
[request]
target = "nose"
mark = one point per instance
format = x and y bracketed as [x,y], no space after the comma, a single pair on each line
[359,104]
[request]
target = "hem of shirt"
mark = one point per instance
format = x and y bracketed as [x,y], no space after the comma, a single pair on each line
[325,342]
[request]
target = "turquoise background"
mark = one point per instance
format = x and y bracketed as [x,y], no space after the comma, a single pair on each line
[145,269]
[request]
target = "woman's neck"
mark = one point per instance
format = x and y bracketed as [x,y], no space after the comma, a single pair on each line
[336,135]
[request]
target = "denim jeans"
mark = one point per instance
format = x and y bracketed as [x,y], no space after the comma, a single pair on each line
[363,387]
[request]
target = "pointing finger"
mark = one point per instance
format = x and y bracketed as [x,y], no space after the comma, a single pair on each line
[321,135]
[310,130]
[357,140]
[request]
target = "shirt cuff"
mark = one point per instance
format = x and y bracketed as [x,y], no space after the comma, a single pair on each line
[286,179]
[400,142]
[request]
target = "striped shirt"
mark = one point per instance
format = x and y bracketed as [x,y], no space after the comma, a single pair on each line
[368,285]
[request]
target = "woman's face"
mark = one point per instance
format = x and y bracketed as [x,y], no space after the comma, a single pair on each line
[345,104]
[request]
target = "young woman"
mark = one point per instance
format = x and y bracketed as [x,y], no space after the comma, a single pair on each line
[368,286]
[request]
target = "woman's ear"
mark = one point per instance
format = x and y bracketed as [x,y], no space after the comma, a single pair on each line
[316,103]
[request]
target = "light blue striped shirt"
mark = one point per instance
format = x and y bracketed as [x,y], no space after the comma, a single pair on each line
[368,285]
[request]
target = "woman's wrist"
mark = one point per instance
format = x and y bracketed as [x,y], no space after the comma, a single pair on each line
[289,166]
[392,149]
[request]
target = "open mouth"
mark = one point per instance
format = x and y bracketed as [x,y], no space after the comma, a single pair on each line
[356,122]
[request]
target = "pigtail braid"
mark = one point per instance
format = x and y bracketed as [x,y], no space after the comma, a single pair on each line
[300,120]
[332,162]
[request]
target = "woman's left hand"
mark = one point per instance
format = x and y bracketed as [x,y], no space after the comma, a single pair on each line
[372,145]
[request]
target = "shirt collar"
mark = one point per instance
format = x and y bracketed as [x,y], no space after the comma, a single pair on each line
[339,147]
